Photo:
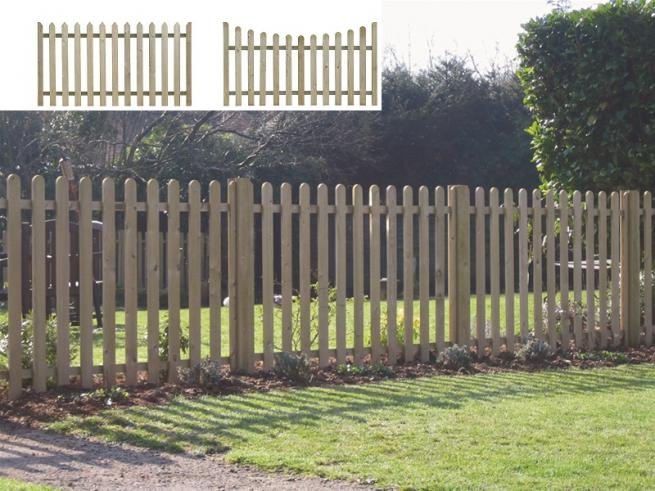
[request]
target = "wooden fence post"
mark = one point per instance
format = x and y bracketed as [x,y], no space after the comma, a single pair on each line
[14,304]
[630,313]
[459,265]
[241,259]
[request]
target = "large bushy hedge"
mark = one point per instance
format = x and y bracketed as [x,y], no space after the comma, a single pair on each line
[589,81]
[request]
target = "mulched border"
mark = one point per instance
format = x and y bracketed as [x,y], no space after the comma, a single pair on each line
[38,409]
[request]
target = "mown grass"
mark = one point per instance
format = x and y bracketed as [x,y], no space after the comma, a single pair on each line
[571,429]
[14,485]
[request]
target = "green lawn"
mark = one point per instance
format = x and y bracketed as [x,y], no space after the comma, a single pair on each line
[13,485]
[572,429]
[184,314]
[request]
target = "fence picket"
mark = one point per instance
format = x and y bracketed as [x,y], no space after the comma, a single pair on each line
[480,271]
[287,265]
[164,64]
[237,66]
[173,262]
[509,267]
[39,56]
[276,69]
[62,271]
[152,278]
[52,73]
[577,268]
[440,265]
[262,69]
[89,65]
[267,274]
[615,213]
[251,67]
[648,266]
[537,214]
[288,70]
[323,276]
[392,274]
[114,64]
[64,65]
[127,65]
[194,239]
[374,270]
[374,64]
[78,64]
[188,58]
[14,300]
[176,64]
[301,70]
[351,67]
[108,282]
[337,68]
[340,270]
[39,283]
[313,71]
[424,272]
[139,64]
[326,70]
[86,285]
[215,270]
[590,232]
[602,269]
[524,275]
[408,272]
[305,266]
[102,63]
[358,272]
[130,288]
[226,64]
[564,266]
[551,301]
[362,66]
[494,271]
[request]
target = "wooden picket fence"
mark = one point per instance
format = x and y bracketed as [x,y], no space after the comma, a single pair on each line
[324,86]
[336,275]
[145,81]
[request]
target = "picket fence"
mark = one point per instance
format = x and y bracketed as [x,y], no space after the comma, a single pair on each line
[89,65]
[341,275]
[361,87]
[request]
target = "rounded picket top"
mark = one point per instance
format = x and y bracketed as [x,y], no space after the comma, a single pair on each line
[374,194]
[357,194]
[408,195]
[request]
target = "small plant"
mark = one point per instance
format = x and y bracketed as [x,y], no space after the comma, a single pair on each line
[400,329]
[163,340]
[612,356]
[534,350]
[375,370]
[27,341]
[455,357]
[292,366]
[207,374]
[107,396]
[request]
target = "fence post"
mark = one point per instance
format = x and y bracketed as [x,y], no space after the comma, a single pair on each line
[241,267]
[459,264]
[630,266]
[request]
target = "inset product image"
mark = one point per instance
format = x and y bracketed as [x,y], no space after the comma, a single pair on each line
[150,67]
[344,79]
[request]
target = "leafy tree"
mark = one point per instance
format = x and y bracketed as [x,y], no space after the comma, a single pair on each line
[589,80]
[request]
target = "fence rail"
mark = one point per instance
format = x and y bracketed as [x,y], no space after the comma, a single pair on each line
[156,80]
[320,58]
[334,273]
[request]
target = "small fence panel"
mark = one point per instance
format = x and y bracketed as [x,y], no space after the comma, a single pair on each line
[280,70]
[111,66]
[239,273]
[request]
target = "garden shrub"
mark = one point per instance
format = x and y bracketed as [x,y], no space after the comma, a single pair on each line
[589,80]
[207,374]
[376,370]
[292,366]
[455,357]
[534,351]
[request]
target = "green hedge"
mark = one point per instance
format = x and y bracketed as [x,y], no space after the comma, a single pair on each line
[589,81]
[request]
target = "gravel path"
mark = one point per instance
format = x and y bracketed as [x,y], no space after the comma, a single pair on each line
[64,461]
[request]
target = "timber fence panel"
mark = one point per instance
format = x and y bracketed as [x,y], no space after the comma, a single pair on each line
[333,268]
[65,49]
[305,79]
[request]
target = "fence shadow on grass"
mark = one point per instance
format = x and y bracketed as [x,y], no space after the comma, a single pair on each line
[213,423]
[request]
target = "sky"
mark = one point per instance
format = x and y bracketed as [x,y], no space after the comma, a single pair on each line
[487,30]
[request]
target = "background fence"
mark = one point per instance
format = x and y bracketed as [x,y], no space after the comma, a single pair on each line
[329,272]
[157,80]
[325,86]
